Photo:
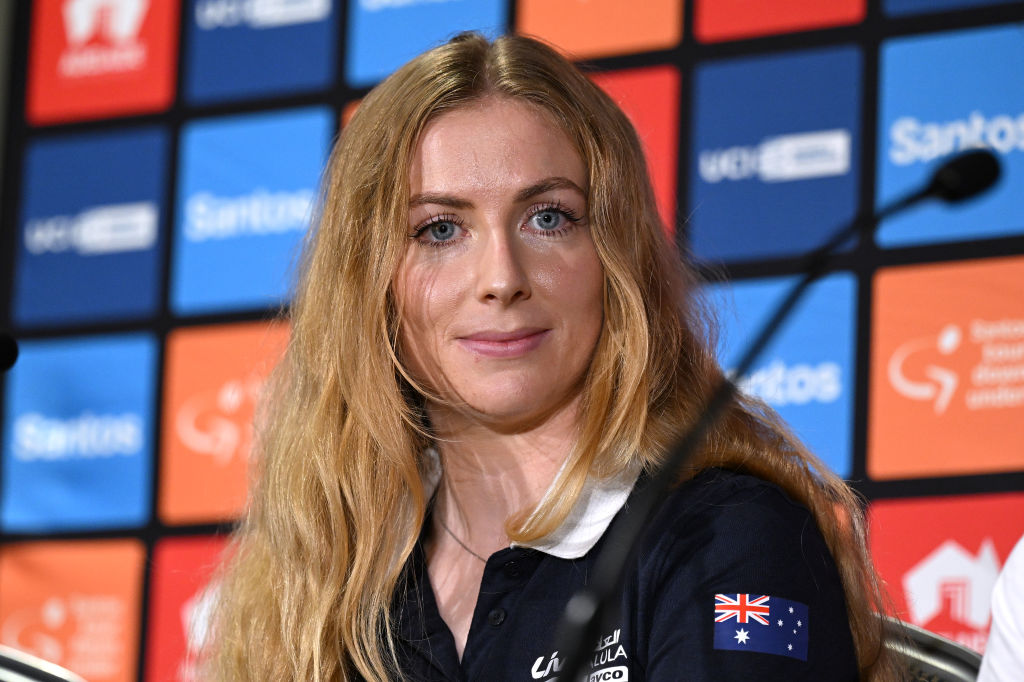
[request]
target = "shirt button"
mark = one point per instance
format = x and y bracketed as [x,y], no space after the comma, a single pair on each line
[496,617]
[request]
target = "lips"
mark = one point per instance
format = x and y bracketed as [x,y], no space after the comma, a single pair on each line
[504,344]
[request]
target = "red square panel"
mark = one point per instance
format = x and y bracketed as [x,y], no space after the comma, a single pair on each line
[719,20]
[940,557]
[650,98]
[98,58]
[179,606]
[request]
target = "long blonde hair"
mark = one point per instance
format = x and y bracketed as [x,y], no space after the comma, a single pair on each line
[337,501]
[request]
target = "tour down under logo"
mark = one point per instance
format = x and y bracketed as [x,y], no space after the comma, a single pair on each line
[947,369]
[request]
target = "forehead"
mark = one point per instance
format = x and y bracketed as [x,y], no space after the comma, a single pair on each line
[492,144]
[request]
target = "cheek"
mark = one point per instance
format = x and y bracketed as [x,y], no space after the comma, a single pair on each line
[582,293]
[425,304]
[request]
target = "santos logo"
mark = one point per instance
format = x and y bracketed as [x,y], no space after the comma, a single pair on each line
[114,22]
[87,436]
[951,589]
[785,158]
[208,216]
[779,384]
[113,228]
[914,141]
[259,14]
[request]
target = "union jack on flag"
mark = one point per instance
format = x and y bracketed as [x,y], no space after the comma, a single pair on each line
[762,623]
[742,608]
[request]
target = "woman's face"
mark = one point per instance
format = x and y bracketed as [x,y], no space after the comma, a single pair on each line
[500,289]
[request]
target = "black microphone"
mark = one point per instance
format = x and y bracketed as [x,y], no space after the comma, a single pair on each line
[8,351]
[967,175]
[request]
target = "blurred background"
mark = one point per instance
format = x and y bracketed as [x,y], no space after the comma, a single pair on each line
[159,158]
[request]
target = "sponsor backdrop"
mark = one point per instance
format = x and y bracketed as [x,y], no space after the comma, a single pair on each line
[162,157]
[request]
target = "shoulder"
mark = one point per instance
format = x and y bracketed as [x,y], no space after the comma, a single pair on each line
[733,511]
[734,574]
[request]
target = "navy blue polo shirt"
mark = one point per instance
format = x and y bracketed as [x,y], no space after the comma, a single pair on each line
[733,582]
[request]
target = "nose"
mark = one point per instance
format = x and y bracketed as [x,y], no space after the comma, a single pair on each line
[502,270]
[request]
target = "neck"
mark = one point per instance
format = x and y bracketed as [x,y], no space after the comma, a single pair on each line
[490,474]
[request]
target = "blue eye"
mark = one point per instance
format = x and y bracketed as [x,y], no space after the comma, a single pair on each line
[439,231]
[548,220]
[443,230]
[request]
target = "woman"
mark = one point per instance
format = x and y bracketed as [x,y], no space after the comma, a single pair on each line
[492,341]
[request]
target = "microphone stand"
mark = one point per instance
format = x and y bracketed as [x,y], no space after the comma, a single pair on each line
[963,177]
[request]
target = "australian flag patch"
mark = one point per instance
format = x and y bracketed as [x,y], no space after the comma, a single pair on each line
[759,622]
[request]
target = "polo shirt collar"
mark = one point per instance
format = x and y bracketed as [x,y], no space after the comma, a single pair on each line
[598,503]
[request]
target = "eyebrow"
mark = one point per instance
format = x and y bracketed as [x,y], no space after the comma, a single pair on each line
[545,185]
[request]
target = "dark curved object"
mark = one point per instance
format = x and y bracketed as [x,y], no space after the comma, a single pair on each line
[17,666]
[928,656]
[964,176]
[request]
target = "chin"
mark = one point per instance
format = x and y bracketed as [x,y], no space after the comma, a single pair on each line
[517,412]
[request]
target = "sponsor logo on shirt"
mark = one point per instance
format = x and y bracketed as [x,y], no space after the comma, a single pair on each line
[608,650]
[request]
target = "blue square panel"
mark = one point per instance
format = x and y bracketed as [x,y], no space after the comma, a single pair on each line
[384,34]
[90,239]
[78,434]
[775,158]
[941,94]
[245,194]
[807,373]
[237,49]
[904,7]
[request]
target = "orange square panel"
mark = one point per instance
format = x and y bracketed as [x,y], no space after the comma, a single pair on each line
[947,370]
[720,20]
[213,379]
[75,604]
[599,28]
[98,58]
[650,98]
